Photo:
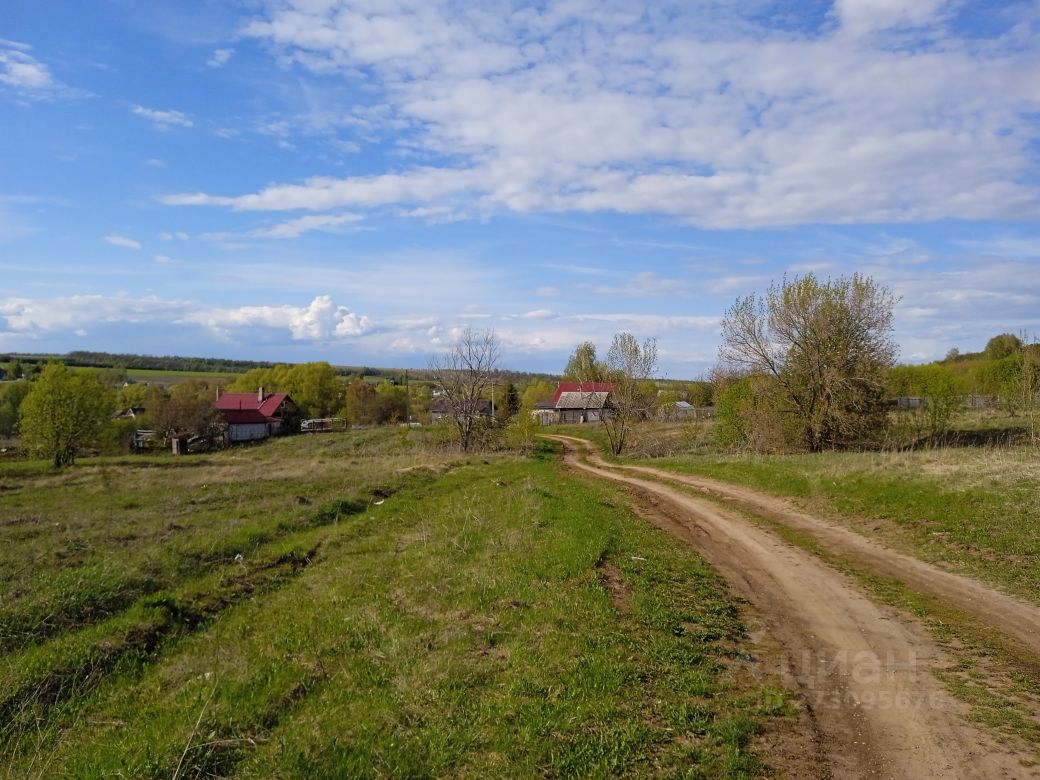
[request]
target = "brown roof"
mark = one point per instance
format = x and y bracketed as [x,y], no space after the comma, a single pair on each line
[596,400]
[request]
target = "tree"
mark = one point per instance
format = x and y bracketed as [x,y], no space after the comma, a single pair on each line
[315,387]
[630,367]
[582,366]
[824,347]
[187,408]
[1003,346]
[507,403]
[464,374]
[11,396]
[63,412]
[536,392]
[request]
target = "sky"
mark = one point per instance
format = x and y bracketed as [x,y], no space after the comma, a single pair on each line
[356,181]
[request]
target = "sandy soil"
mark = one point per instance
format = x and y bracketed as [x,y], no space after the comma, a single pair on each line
[862,669]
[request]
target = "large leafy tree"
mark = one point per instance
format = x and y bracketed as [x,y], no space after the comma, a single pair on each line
[583,366]
[821,350]
[315,387]
[63,413]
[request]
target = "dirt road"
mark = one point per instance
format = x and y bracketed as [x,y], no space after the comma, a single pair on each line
[862,669]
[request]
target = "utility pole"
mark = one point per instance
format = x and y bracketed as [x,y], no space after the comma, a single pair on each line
[407,401]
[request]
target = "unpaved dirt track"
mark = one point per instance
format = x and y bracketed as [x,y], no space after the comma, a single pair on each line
[862,668]
[1015,617]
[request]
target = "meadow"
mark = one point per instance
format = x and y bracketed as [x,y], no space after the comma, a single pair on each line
[362,604]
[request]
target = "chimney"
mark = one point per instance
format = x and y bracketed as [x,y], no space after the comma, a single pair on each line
[260,396]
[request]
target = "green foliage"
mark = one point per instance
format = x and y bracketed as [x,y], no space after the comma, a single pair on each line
[315,387]
[507,402]
[731,411]
[63,413]
[132,396]
[1002,346]
[823,350]
[186,408]
[537,392]
[11,396]
[365,404]
[583,366]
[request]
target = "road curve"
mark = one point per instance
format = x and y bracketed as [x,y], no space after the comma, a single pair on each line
[1013,616]
[862,669]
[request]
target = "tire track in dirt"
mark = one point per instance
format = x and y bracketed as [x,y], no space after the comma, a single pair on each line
[1015,617]
[862,669]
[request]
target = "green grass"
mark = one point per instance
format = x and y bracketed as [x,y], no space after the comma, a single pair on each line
[396,610]
[976,509]
[172,377]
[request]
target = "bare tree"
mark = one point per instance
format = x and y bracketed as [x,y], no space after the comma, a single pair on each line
[630,367]
[822,350]
[464,374]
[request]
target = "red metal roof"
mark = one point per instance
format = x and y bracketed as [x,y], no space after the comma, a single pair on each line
[581,387]
[248,408]
[244,416]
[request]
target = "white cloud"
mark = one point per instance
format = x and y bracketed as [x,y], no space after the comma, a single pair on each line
[864,16]
[19,69]
[219,58]
[180,235]
[33,316]
[123,241]
[690,110]
[28,77]
[539,314]
[322,320]
[164,120]
[163,259]
[293,228]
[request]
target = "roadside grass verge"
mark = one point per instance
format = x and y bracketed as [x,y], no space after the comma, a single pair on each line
[971,509]
[397,611]
[999,680]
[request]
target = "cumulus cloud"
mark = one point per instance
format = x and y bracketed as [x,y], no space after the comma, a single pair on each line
[294,228]
[692,110]
[164,120]
[122,241]
[322,320]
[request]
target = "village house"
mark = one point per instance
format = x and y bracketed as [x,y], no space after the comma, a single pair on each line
[576,402]
[255,416]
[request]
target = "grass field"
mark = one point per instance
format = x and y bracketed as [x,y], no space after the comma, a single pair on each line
[174,377]
[360,604]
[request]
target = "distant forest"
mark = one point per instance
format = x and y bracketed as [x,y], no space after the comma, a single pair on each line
[226,365]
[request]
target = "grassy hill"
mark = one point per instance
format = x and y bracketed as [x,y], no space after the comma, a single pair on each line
[359,604]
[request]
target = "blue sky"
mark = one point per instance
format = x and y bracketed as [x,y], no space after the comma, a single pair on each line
[356,181]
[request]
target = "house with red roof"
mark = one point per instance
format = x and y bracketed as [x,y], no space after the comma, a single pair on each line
[254,416]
